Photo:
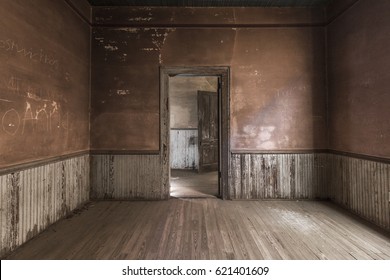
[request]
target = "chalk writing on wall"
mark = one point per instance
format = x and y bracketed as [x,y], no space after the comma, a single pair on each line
[30,108]
[41,56]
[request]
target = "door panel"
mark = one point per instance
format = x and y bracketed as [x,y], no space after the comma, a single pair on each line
[208,130]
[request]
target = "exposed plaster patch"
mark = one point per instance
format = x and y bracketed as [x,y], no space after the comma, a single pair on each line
[124,57]
[140,19]
[103,18]
[262,134]
[158,40]
[111,48]
[149,49]
[250,130]
[129,29]
[143,9]
[123,92]
[268,145]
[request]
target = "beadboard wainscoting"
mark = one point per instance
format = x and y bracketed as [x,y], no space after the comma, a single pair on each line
[362,186]
[126,177]
[184,152]
[35,197]
[278,176]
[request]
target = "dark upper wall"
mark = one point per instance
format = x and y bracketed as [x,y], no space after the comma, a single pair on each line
[44,86]
[359,79]
[83,8]
[217,16]
[336,8]
[278,98]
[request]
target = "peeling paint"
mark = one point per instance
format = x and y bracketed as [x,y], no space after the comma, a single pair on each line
[111,47]
[266,132]
[129,29]
[124,57]
[159,44]
[123,92]
[100,39]
[140,19]
[149,49]
[103,18]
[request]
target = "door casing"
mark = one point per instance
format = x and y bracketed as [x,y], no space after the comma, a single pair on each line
[223,73]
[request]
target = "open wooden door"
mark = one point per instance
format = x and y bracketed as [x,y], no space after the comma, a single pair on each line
[208,131]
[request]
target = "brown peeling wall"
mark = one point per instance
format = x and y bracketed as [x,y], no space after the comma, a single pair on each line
[200,16]
[278,99]
[359,79]
[44,81]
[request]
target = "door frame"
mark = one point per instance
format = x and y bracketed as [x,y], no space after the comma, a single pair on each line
[223,72]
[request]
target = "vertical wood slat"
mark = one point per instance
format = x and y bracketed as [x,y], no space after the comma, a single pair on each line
[361,186]
[278,176]
[29,199]
[184,149]
[126,177]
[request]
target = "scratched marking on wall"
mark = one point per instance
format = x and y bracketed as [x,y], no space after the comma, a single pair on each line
[34,109]
[41,56]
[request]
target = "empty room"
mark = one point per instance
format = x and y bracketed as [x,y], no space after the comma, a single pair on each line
[195,130]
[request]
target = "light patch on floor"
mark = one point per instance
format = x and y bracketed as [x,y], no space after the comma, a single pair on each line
[190,183]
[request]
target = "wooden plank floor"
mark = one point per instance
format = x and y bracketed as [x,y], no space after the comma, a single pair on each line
[191,184]
[209,229]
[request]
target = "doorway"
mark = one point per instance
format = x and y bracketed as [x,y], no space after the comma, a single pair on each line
[194,141]
[194,131]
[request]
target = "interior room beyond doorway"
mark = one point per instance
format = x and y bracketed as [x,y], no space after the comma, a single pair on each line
[193,136]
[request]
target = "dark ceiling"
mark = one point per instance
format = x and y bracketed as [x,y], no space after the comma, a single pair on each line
[213,3]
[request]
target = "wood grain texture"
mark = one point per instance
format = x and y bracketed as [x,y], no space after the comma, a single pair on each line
[362,186]
[126,177]
[278,176]
[210,229]
[35,198]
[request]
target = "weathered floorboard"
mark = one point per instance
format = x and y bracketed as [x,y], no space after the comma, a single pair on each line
[209,229]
